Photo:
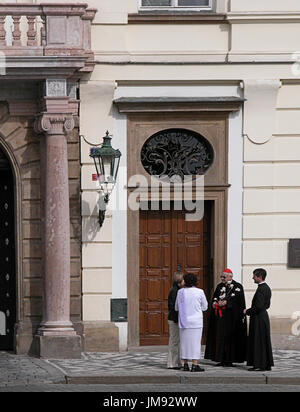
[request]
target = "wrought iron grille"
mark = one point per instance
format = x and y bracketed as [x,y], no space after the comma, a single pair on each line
[177,152]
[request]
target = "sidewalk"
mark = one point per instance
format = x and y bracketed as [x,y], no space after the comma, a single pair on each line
[139,366]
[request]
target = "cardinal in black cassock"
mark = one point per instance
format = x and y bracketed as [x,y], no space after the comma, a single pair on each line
[226,341]
[260,355]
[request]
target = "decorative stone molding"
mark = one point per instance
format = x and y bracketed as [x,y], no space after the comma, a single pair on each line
[260,109]
[56,87]
[54,124]
[179,104]
[56,113]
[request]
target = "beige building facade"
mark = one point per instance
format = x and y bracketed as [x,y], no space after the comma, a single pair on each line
[249,51]
[225,71]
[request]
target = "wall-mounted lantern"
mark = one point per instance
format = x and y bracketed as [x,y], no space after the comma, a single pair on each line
[107,161]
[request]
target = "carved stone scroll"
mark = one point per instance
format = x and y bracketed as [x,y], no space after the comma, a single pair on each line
[260,109]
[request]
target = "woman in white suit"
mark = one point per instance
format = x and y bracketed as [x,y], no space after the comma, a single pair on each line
[190,303]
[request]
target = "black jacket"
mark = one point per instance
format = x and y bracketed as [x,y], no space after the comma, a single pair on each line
[173,315]
[261,300]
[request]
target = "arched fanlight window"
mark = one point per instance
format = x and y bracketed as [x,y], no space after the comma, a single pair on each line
[177,152]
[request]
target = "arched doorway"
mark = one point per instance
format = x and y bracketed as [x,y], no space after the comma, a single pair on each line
[7,255]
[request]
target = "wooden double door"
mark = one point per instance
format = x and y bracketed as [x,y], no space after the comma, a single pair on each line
[166,240]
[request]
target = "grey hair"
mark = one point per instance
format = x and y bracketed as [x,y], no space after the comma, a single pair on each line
[177,277]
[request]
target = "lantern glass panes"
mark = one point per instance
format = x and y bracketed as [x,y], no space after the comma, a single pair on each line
[107,162]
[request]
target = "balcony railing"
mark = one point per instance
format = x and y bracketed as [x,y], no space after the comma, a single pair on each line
[46,29]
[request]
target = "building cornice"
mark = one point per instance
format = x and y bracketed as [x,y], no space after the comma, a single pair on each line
[41,67]
[179,104]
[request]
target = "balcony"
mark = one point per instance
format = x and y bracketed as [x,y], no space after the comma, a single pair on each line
[46,40]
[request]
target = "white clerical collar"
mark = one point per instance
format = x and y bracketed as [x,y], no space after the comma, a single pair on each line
[261,283]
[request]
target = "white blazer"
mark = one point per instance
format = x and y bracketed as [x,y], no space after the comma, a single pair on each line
[190,303]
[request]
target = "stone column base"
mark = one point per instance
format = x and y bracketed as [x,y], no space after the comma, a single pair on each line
[25,332]
[100,337]
[57,347]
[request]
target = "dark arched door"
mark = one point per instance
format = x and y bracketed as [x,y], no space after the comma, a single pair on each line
[7,256]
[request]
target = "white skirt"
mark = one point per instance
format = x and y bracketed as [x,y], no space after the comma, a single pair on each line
[190,343]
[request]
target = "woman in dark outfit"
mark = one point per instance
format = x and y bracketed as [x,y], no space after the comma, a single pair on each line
[174,361]
[259,354]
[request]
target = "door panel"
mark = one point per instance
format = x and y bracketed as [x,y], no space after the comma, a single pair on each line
[166,240]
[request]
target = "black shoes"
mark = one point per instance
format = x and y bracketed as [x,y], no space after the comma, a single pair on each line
[196,368]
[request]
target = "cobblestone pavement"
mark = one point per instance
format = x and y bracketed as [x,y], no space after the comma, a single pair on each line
[143,367]
[286,363]
[19,369]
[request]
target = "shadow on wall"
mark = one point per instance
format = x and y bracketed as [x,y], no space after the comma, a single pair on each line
[90,222]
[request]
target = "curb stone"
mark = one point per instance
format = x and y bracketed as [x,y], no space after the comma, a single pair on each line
[166,379]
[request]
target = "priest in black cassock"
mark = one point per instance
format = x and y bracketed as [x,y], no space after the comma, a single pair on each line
[260,355]
[227,328]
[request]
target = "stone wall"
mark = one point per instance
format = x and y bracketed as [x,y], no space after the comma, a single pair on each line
[271,213]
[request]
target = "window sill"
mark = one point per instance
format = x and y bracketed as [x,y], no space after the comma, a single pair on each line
[175,17]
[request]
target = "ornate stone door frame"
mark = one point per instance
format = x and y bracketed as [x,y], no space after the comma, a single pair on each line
[218,195]
[146,118]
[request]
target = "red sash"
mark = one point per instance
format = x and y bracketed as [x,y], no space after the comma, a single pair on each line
[218,310]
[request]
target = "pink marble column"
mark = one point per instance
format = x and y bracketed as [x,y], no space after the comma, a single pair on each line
[55,124]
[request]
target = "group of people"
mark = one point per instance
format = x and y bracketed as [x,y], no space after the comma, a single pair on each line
[227,341]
